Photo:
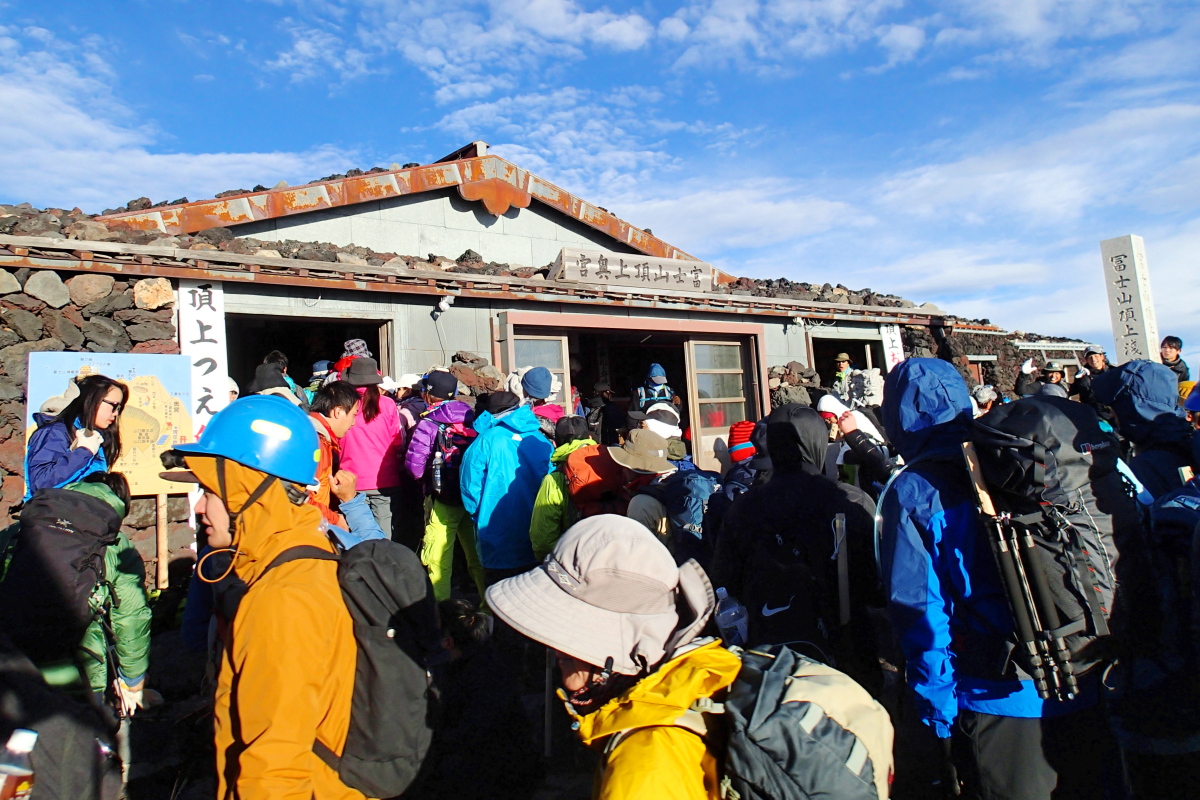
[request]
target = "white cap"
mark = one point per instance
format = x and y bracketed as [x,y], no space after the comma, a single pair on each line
[22,740]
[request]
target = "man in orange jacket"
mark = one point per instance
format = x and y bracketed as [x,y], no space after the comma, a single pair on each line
[333,411]
[287,671]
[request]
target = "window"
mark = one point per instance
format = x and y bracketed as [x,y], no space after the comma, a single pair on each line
[549,352]
[718,374]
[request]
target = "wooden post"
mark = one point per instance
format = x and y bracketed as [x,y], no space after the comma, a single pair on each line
[161,579]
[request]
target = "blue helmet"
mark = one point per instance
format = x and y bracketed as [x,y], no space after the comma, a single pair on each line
[265,433]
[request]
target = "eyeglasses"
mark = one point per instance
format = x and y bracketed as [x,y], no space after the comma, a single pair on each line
[116,407]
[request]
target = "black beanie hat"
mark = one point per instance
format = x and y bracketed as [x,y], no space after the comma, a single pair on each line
[570,429]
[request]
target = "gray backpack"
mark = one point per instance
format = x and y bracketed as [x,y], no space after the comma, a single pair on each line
[795,729]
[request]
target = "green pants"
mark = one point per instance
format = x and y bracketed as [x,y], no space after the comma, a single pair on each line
[444,524]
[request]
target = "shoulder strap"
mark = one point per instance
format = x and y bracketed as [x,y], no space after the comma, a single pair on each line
[691,720]
[300,552]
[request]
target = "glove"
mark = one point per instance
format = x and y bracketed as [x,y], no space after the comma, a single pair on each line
[1082,372]
[129,698]
[89,440]
[1028,367]
[951,785]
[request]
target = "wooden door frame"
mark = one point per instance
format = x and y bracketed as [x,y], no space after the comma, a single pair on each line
[757,334]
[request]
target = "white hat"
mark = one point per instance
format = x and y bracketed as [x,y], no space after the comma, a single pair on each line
[608,590]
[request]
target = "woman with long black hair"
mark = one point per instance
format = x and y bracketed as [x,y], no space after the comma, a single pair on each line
[83,438]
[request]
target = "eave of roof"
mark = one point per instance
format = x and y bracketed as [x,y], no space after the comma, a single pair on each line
[499,184]
[131,260]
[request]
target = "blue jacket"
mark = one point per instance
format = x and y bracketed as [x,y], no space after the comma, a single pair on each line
[945,596]
[500,476]
[50,463]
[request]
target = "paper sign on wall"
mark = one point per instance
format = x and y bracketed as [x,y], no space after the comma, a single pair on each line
[154,419]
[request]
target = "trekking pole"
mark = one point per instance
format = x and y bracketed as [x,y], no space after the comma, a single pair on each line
[1018,542]
[548,699]
[1056,644]
[1006,560]
[843,567]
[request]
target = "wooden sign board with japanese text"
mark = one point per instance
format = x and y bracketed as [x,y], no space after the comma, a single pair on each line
[154,419]
[631,270]
[1127,279]
[201,306]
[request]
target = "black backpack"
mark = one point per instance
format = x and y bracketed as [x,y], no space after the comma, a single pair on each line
[793,580]
[1053,470]
[57,562]
[449,446]
[394,704]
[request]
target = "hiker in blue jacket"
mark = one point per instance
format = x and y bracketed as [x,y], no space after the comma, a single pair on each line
[653,390]
[1144,397]
[83,438]
[500,476]
[950,612]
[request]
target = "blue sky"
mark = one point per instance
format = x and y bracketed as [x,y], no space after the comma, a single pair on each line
[971,153]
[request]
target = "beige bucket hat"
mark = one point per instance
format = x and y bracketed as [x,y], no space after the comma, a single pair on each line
[609,589]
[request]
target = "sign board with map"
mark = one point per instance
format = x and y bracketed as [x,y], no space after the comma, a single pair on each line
[155,419]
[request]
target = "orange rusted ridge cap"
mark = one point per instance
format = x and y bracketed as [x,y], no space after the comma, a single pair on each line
[498,184]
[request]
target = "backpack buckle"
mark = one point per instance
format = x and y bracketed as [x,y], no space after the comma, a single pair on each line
[705,705]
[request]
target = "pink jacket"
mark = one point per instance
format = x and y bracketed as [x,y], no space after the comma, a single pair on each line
[372,450]
[550,411]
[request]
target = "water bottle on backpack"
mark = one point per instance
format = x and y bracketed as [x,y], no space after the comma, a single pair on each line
[732,619]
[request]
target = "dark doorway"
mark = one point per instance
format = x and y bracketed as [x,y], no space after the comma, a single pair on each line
[622,359]
[301,339]
[864,354]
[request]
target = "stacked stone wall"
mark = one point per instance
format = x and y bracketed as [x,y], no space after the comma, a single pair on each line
[48,311]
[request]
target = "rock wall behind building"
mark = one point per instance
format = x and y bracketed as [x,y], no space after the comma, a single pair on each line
[46,311]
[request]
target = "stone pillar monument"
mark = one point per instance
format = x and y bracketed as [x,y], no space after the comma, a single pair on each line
[1127,277]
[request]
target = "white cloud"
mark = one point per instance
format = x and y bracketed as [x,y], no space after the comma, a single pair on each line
[70,141]
[901,42]
[1128,157]
[719,217]
[319,53]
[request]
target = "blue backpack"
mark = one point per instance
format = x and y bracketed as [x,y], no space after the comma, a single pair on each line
[685,493]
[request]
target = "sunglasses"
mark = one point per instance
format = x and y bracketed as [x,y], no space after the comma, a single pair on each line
[116,407]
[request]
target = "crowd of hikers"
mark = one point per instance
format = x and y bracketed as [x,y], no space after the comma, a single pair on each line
[376,559]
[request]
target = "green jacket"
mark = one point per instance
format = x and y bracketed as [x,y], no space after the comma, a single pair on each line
[124,594]
[553,511]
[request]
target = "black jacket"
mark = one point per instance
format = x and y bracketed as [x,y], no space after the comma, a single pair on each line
[1180,368]
[775,552]
[1081,387]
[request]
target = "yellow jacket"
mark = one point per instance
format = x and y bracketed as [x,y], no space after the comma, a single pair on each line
[287,673]
[657,760]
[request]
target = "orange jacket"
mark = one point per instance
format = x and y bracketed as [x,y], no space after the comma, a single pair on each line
[325,468]
[288,673]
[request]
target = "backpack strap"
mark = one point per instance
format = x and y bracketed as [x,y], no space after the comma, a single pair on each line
[300,552]
[691,720]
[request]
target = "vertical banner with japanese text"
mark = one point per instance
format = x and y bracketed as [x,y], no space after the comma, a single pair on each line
[893,345]
[1127,279]
[201,307]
